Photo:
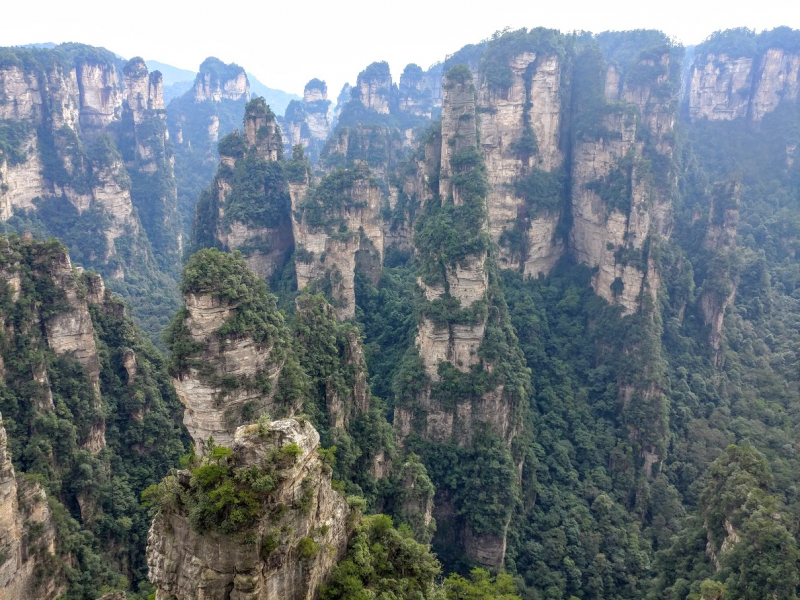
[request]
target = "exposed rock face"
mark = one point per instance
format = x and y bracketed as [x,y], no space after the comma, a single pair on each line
[351,230]
[71,333]
[719,288]
[100,94]
[724,87]
[531,104]
[144,91]
[211,409]
[420,92]
[778,79]
[720,88]
[289,553]
[617,209]
[153,160]
[374,87]
[217,81]
[451,344]
[265,244]
[308,122]
[93,134]
[23,509]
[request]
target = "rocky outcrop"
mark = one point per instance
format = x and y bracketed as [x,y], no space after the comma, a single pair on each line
[249,159]
[218,81]
[778,79]
[454,322]
[420,92]
[336,225]
[720,87]
[726,86]
[301,531]
[719,287]
[154,191]
[91,134]
[229,381]
[619,204]
[27,536]
[308,122]
[374,87]
[70,333]
[520,129]
[101,95]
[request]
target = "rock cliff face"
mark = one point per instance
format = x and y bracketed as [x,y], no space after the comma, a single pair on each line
[91,150]
[300,533]
[70,333]
[308,122]
[719,288]
[197,120]
[725,85]
[528,109]
[420,92]
[27,536]
[218,81]
[151,163]
[231,379]
[337,225]
[247,207]
[374,88]
[454,323]
[619,204]
[78,383]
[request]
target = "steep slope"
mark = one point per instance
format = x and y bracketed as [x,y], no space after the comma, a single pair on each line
[247,207]
[89,414]
[308,121]
[25,516]
[86,152]
[291,528]
[197,120]
[467,387]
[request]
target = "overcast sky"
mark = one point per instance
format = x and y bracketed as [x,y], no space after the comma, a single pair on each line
[287,42]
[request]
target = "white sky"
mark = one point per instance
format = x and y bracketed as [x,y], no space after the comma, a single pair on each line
[287,42]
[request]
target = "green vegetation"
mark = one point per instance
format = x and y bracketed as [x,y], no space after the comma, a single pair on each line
[506,45]
[383,562]
[227,277]
[13,136]
[544,191]
[259,195]
[51,442]
[327,200]
[447,234]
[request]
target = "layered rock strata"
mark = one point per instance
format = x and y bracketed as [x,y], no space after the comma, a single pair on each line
[618,204]
[212,408]
[302,531]
[253,159]
[528,109]
[329,248]
[307,122]
[724,86]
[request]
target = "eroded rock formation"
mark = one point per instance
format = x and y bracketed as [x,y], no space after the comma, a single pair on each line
[27,536]
[247,207]
[308,121]
[229,379]
[301,530]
